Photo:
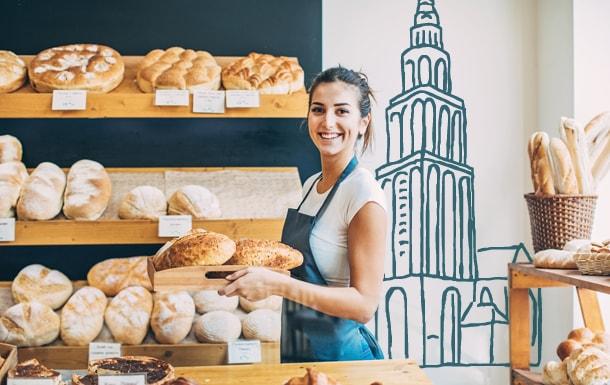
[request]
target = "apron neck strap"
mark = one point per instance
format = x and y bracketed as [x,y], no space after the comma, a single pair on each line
[351,166]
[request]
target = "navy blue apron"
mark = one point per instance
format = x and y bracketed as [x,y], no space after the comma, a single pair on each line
[330,338]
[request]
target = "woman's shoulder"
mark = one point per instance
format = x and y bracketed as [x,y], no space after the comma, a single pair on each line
[362,178]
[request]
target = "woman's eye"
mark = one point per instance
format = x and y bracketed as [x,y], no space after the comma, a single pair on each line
[342,111]
[316,109]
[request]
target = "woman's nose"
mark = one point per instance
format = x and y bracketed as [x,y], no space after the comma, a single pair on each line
[329,119]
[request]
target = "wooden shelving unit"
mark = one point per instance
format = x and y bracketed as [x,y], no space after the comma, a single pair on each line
[523,277]
[127,101]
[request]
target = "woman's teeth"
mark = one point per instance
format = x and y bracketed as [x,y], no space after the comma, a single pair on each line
[329,136]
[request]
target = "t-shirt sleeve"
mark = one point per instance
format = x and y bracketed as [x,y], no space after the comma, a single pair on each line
[308,183]
[366,191]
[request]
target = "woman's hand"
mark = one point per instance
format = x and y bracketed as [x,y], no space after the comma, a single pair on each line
[254,283]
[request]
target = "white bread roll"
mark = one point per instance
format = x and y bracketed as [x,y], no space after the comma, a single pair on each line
[217,327]
[172,316]
[113,275]
[143,202]
[209,300]
[555,259]
[555,373]
[12,176]
[10,149]
[41,196]
[29,324]
[82,317]
[38,283]
[262,324]
[194,200]
[273,302]
[128,315]
[88,191]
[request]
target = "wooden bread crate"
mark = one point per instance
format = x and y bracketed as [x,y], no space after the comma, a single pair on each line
[9,354]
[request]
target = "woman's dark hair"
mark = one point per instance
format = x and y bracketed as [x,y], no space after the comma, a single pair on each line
[356,79]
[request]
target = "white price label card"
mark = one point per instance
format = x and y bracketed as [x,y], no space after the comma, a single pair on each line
[122,379]
[172,98]
[30,381]
[68,100]
[244,352]
[174,225]
[7,229]
[99,350]
[209,102]
[243,99]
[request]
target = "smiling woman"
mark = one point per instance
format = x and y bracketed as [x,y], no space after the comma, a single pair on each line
[339,227]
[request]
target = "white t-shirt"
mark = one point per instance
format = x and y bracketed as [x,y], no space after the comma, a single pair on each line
[328,240]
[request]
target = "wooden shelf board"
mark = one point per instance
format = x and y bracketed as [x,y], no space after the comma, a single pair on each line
[525,377]
[127,101]
[570,277]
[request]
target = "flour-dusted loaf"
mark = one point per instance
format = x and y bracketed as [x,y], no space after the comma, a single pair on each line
[29,324]
[143,202]
[597,132]
[555,259]
[128,315]
[178,68]
[209,300]
[113,275]
[194,200]
[39,283]
[266,73]
[12,72]
[158,372]
[258,252]
[574,137]
[82,317]
[580,245]
[34,369]
[217,326]
[12,176]
[262,324]
[589,366]
[172,316]
[542,174]
[88,191]
[197,248]
[90,67]
[273,302]
[555,373]
[10,149]
[562,169]
[42,193]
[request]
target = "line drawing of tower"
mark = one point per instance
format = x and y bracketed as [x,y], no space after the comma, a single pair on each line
[437,282]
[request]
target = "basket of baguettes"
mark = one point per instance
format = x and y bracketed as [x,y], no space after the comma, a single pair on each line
[589,257]
[565,174]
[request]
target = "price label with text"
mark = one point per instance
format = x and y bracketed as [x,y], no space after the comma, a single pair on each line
[7,229]
[209,102]
[172,98]
[30,381]
[67,100]
[122,379]
[243,99]
[99,350]
[244,352]
[175,225]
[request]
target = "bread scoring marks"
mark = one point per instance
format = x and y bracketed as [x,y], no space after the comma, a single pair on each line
[65,76]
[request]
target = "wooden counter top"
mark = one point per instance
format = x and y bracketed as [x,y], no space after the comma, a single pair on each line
[387,372]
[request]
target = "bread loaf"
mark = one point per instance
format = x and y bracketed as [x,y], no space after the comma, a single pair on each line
[41,196]
[256,252]
[88,191]
[313,377]
[172,316]
[601,164]
[29,324]
[209,300]
[10,149]
[82,317]
[113,275]
[581,245]
[143,202]
[603,340]
[194,200]
[12,176]
[217,327]
[128,315]
[197,248]
[266,73]
[554,259]
[38,283]
[12,72]
[597,132]
[582,335]
[273,302]
[566,347]
[589,366]
[555,373]
[263,324]
[542,176]
[561,165]
[574,137]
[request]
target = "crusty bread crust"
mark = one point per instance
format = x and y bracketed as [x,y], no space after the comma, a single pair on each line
[256,252]
[12,72]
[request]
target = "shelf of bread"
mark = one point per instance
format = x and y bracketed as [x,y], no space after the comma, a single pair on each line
[253,203]
[127,101]
[526,377]
[527,276]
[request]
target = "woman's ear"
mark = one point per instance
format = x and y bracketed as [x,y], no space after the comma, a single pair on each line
[364,124]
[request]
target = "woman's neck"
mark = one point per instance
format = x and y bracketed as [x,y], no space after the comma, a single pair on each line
[332,167]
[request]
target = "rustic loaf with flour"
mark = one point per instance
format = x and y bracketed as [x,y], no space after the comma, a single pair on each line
[257,252]
[12,176]
[589,366]
[209,300]
[194,200]
[82,317]
[42,193]
[555,259]
[12,72]
[217,326]
[143,202]
[115,274]
[88,191]
[39,283]
[29,324]
[172,316]
[273,302]
[128,315]
[262,324]
[10,149]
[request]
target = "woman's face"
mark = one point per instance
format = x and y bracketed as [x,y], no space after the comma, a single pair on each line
[334,119]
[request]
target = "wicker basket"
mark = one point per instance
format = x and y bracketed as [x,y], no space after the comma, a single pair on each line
[557,219]
[593,263]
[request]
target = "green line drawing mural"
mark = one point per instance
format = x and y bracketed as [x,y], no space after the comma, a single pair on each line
[446,299]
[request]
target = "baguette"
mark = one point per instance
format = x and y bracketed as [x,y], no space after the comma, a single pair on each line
[598,133]
[541,167]
[530,153]
[574,137]
[561,166]
[601,164]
